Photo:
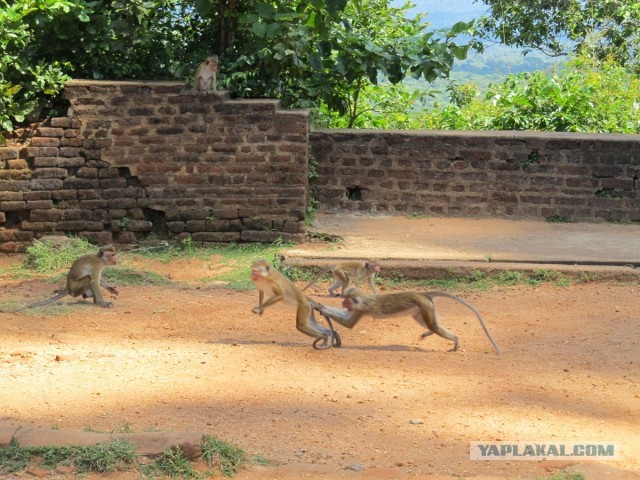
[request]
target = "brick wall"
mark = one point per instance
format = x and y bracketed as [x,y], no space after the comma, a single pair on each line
[578,177]
[135,160]
[140,160]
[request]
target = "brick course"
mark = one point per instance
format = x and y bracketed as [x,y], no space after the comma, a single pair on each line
[534,175]
[138,160]
[134,160]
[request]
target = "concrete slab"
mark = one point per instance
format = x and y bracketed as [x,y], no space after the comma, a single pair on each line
[456,241]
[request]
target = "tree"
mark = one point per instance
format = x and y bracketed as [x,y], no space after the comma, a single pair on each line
[305,52]
[314,54]
[600,28]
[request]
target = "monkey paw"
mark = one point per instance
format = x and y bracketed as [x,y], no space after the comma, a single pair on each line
[257,310]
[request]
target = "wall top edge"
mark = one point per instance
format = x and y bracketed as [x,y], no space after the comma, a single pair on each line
[82,82]
[506,134]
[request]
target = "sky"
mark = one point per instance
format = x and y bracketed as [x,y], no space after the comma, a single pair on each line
[445,13]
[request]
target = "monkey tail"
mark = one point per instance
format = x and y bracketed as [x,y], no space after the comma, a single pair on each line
[55,298]
[470,307]
[335,342]
[335,336]
[315,280]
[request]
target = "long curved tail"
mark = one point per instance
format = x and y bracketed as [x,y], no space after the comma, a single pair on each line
[470,307]
[55,298]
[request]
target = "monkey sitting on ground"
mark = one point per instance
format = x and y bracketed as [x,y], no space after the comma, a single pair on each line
[350,271]
[419,305]
[279,288]
[205,78]
[84,278]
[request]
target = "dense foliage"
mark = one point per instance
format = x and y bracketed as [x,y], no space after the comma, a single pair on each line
[345,59]
[603,29]
[304,52]
[582,96]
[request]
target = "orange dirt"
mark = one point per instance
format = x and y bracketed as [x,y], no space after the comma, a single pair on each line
[191,357]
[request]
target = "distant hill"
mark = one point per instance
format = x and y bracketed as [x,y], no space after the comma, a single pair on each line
[493,65]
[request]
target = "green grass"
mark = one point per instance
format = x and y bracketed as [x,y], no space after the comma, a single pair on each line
[478,280]
[229,457]
[119,455]
[563,476]
[101,458]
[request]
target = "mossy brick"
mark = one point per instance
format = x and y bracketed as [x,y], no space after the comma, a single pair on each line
[49,132]
[48,215]
[60,122]
[7,153]
[79,226]
[46,184]
[140,226]
[39,204]
[45,142]
[51,172]
[38,226]
[12,206]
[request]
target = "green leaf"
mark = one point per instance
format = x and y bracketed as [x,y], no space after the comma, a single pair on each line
[266,11]
[260,29]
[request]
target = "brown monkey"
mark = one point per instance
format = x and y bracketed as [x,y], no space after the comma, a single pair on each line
[417,304]
[205,77]
[85,278]
[355,271]
[278,287]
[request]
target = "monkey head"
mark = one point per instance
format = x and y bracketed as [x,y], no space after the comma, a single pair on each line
[108,255]
[372,266]
[212,63]
[260,269]
[352,298]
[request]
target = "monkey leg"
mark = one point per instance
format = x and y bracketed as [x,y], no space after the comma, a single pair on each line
[333,287]
[97,294]
[427,317]
[307,324]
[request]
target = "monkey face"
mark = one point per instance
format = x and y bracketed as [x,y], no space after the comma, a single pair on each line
[108,255]
[349,303]
[259,270]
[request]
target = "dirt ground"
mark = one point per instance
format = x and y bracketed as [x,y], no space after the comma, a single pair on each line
[192,357]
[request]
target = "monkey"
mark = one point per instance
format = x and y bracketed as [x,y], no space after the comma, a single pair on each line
[205,77]
[85,278]
[417,304]
[344,272]
[279,288]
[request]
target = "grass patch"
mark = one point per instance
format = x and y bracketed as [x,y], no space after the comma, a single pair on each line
[101,458]
[237,257]
[119,455]
[228,457]
[171,463]
[478,280]
[52,255]
[563,476]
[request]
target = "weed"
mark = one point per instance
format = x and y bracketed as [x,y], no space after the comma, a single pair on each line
[563,476]
[101,458]
[51,256]
[172,463]
[556,219]
[105,457]
[418,215]
[228,456]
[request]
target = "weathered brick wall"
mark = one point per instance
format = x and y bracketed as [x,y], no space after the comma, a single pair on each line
[138,160]
[578,177]
[134,160]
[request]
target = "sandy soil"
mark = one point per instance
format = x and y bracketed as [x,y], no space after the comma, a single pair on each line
[192,357]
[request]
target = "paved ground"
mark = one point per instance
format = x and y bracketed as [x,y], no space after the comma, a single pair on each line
[423,247]
[430,246]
